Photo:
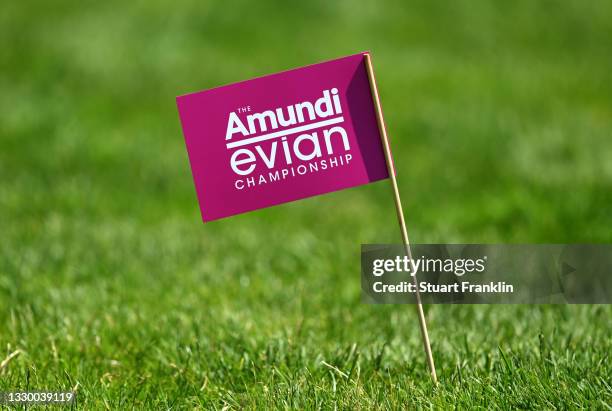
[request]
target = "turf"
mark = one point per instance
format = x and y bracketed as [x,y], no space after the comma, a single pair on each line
[500,117]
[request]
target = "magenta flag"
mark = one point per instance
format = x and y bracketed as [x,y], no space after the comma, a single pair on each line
[282,137]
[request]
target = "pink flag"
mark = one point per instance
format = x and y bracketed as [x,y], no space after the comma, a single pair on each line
[282,137]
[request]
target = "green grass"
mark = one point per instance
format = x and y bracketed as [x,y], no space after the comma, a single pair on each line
[501,123]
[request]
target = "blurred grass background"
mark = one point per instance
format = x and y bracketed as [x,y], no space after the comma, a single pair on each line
[500,117]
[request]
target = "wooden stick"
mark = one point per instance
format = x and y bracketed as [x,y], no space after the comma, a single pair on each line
[400,212]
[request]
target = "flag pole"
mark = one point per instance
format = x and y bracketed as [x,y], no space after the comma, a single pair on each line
[400,212]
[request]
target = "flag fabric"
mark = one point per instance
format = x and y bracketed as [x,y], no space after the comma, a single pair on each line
[282,137]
